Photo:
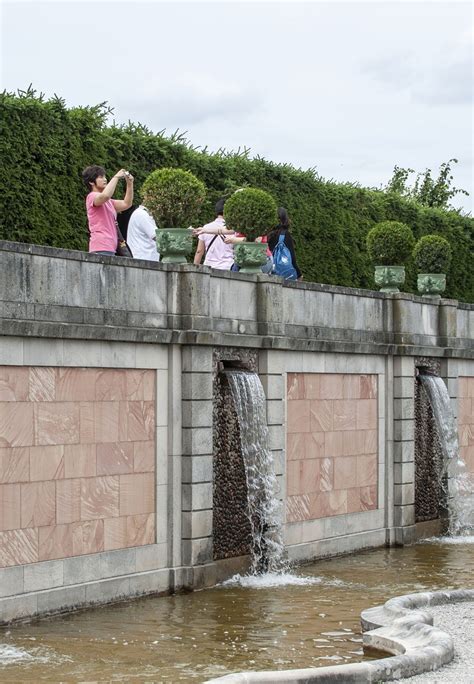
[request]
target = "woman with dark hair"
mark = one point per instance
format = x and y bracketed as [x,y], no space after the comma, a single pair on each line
[102,209]
[283,228]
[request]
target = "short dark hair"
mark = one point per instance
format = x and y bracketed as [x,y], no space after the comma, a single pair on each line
[219,206]
[283,217]
[91,173]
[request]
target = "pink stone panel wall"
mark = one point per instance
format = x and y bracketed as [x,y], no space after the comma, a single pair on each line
[466,421]
[77,461]
[331,454]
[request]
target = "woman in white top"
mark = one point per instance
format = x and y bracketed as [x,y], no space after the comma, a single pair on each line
[141,235]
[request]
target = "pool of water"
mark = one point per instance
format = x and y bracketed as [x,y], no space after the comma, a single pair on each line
[310,618]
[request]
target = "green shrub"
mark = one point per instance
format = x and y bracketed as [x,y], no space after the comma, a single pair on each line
[390,243]
[250,211]
[173,196]
[432,254]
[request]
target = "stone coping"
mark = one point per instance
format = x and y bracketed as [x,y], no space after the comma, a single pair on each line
[59,253]
[400,627]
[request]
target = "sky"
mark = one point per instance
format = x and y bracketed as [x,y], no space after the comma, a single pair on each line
[348,88]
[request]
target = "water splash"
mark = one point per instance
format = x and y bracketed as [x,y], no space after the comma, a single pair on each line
[279,579]
[264,508]
[454,480]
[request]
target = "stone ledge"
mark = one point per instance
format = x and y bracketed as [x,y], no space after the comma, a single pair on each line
[398,627]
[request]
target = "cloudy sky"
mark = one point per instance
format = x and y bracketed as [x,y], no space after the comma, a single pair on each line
[351,88]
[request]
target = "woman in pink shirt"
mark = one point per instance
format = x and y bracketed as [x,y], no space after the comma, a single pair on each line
[102,209]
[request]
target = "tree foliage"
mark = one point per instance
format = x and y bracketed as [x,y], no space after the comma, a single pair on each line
[426,190]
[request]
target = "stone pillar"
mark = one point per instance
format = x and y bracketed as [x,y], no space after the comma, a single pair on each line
[403,449]
[197,456]
[273,381]
[447,322]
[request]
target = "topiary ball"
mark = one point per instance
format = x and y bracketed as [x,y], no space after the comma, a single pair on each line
[250,211]
[432,254]
[390,243]
[173,197]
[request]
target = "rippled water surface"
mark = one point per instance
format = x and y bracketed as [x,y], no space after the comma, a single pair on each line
[240,625]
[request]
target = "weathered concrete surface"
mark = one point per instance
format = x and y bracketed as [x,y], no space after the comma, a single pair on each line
[57,293]
[400,627]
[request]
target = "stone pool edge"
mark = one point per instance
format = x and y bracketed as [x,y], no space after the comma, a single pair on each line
[399,627]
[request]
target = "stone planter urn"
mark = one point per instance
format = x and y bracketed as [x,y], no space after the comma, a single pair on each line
[431,284]
[174,245]
[389,278]
[250,256]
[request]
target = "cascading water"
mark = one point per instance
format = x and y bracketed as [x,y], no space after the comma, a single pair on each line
[455,482]
[264,508]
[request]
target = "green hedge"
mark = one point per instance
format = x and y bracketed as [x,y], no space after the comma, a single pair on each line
[44,146]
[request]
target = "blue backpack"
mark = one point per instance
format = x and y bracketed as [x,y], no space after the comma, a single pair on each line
[282,263]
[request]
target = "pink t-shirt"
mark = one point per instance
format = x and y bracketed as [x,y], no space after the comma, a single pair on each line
[102,228]
[219,254]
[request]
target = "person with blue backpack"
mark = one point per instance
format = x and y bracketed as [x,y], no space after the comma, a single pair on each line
[282,248]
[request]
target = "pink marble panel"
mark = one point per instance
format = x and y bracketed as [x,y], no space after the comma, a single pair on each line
[345,472]
[355,442]
[140,385]
[295,446]
[18,547]
[298,416]
[87,537]
[333,444]
[466,435]
[13,383]
[353,500]
[140,420]
[115,458]
[465,411]
[366,414]
[351,386]
[14,464]
[467,455]
[312,385]
[99,497]
[143,457]
[297,508]
[80,460]
[68,501]
[331,386]
[293,478]
[10,506]
[149,385]
[106,421]
[140,530]
[46,462]
[55,541]
[76,384]
[295,383]
[111,385]
[368,498]
[326,469]
[38,504]
[345,414]
[310,476]
[42,385]
[16,424]
[321,415]
[367,470]
[314,444]
[133,530]
[56,423]
[368,386]
[87,422]
[332,503]
[137,493]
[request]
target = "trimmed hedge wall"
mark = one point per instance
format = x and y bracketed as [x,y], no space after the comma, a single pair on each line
[44,147]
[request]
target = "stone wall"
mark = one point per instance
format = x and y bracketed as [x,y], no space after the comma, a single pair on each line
[108,434]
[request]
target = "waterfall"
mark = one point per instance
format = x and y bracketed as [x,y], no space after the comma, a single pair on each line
[455,482]
[264,508]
